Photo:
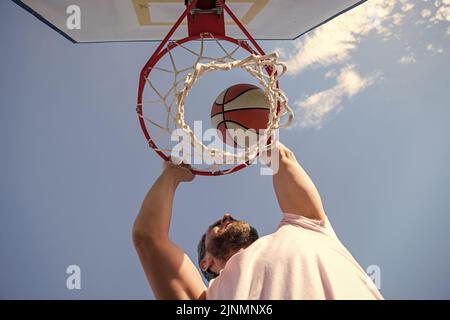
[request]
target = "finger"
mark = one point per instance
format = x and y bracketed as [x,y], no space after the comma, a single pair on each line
[186,166]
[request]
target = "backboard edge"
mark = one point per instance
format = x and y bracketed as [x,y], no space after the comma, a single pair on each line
[65,35]
[43,20]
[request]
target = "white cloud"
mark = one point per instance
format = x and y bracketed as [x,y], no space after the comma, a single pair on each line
[331,74]
[336,40]
[432,49]
[397,19]
[442,14]
[407,6]
[425,13]
[314,108]
[408,59]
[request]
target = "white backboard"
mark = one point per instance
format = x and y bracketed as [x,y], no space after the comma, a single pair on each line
[150,20]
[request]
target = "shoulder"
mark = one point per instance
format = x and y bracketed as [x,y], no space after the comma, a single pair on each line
[303,223]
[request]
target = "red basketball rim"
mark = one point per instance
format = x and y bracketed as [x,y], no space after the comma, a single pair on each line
[145,73]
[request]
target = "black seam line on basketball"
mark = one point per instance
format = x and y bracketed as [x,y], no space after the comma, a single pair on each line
[233,110]
[226,129]
[223,116]
[225,119]
[234,98]
[224,95]
[223,104]
[225,123]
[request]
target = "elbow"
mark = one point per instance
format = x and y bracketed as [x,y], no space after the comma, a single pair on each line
[140,236]
[145,238]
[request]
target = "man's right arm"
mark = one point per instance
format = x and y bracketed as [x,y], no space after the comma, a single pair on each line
[170,272]
[295,191]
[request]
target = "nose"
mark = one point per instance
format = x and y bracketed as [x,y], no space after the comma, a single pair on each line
[226,217]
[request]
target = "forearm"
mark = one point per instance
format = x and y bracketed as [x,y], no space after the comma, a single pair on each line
[154,217]
[295,191]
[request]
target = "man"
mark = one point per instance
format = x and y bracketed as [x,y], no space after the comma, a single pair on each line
[302,259]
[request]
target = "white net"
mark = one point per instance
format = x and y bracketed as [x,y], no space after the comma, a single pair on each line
[165,102]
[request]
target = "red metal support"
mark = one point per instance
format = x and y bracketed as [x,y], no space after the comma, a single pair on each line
[205,17]
[198,23]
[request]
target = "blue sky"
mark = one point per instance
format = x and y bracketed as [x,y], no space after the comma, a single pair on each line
[370,91]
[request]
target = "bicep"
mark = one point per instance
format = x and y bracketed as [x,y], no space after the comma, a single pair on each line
[170,272]
[295,191]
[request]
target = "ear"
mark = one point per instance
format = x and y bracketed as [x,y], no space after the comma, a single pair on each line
[206,263]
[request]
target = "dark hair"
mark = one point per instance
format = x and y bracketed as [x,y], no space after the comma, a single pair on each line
[201,251]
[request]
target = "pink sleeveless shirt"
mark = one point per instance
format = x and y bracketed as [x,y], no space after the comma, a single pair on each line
[302,259]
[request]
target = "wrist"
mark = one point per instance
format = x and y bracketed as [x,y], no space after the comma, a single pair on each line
[177,173]
[171,175]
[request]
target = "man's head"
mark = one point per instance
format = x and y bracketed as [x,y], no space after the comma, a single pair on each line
[222,240]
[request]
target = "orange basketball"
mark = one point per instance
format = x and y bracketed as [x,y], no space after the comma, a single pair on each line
[241,106]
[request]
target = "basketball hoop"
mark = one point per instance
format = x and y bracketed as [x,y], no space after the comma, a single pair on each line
[163,108]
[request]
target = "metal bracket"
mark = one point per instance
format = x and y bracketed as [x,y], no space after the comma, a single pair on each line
[218,9]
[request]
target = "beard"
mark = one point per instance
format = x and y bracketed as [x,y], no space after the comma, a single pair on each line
[238,235]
